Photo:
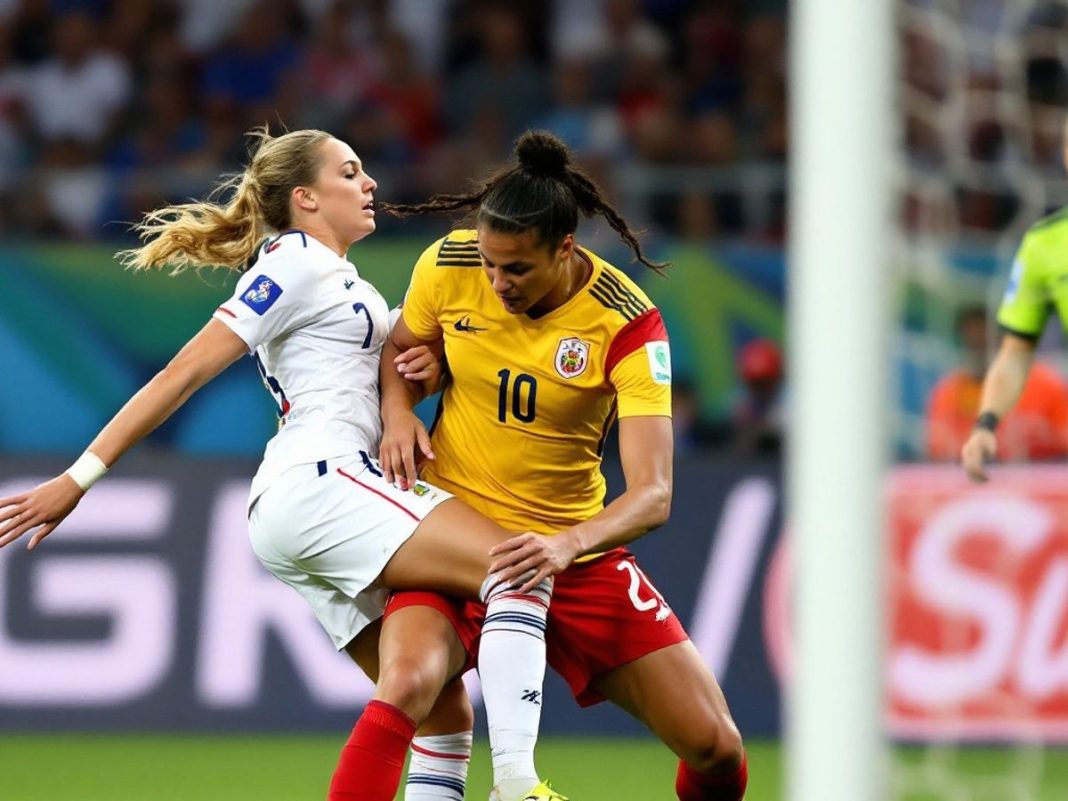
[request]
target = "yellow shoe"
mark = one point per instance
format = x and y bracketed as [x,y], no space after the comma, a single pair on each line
[542,792]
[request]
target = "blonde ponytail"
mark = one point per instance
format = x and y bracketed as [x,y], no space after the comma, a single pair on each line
[211,234]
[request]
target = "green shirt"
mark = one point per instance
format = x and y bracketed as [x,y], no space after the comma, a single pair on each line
[1038,283]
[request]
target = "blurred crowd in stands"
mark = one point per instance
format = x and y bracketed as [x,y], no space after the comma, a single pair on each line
[984,87]
[115,105]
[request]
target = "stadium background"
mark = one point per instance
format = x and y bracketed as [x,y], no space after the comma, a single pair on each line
[146,615]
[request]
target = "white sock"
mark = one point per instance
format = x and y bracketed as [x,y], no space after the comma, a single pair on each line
[438,767]
[511,667]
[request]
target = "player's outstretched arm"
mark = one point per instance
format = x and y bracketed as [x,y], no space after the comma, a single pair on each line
[1001,389]
[404,383]
[646,447]
[44,507]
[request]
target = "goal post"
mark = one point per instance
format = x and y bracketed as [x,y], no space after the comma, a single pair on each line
[842,195]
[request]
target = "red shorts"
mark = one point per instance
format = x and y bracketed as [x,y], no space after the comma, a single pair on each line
[604,613]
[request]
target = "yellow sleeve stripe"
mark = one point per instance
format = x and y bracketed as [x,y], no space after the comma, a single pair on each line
[612,294]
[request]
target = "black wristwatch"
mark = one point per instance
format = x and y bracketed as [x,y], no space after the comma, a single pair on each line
[988,421]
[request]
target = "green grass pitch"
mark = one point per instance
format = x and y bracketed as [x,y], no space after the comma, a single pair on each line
[291,768]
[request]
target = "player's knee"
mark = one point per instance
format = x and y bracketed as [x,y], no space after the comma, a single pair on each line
[715,747]
[410,684]
[452,711]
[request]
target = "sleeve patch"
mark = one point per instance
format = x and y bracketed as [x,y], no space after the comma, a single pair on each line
[659,354]
[646,327]
[261,295]
[1014,281]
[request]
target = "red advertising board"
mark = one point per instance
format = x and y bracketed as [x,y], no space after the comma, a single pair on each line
[978,604]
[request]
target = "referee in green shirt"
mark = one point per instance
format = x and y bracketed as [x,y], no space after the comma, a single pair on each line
[1037,286]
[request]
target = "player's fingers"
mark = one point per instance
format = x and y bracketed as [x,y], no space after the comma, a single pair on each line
[16,532]
[410,474]
[421,375]
[411,353]
[385,461]
[423,439]
[536,579]
[10,525]
[12,500]
[510,544]
[519,572]
[41,533]
[419,358]
[499,566]
[507,562]
[973,466]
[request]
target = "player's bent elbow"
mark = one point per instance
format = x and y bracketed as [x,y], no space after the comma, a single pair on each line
[659,504]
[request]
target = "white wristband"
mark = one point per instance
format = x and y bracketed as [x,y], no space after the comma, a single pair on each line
[87,470]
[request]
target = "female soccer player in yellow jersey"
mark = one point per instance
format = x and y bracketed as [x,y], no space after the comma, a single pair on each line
[547,346]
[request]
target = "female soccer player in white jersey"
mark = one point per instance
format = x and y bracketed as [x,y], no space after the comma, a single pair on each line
[322,517]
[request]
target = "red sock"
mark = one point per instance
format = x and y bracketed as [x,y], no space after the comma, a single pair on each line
[693,786]
[370,765]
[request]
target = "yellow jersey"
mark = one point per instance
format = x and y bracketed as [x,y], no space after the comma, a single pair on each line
[522,424]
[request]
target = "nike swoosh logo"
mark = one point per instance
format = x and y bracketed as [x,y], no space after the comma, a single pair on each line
[348,284]
[464,324]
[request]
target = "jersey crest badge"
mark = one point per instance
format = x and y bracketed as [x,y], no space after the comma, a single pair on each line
[659,361]
[572,356]
[261,295]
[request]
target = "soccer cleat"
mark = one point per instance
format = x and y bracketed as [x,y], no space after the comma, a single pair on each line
[543,792]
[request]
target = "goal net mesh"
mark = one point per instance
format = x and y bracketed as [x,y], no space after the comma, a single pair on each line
[983,88]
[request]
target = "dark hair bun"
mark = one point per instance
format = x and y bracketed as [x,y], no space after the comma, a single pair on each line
[541,153]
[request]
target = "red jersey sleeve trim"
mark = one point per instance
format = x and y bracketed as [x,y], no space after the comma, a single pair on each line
[646,327]
[225,310]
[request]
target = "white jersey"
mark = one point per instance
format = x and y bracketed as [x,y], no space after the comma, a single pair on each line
[315,330]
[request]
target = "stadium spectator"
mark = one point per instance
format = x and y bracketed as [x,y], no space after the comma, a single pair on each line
[251,78]
[763,106]
[79,92]
[711,60]
[503,80]
[13,153]
[31,31]
[408,95]
[692,433]
[757,418]
[626,39]
[1035,429]
[338,71]
[591,128]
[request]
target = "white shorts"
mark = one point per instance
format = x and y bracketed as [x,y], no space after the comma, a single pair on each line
[328,529]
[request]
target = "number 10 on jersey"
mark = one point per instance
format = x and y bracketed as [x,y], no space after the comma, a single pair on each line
[524,395]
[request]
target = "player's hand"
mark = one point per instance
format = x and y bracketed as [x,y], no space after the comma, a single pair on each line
[531,557]
[418,364]
[977,451]
[46,506]
[405,444]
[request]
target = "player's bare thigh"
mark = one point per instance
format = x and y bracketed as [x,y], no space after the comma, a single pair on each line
[674,693]
[449,552]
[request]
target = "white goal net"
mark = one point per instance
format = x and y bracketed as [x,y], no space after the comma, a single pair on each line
[983,87]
